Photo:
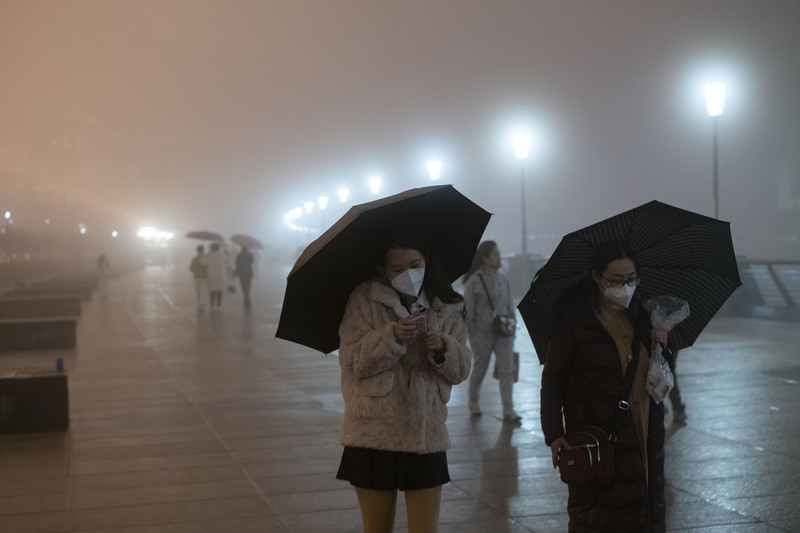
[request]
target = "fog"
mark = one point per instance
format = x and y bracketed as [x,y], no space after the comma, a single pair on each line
[224,115]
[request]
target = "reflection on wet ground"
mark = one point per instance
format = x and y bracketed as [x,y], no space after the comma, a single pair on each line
[203,422]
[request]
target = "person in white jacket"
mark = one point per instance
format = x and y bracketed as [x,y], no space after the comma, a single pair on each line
[487,293]
[216,275]
[403,346]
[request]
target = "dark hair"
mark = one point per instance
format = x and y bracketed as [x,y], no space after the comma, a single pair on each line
[435,283]
[485,249]
[609,251]
[201,248]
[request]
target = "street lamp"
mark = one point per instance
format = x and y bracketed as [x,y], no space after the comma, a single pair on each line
[715,103]
[434,169]
[343,193]
[522,146]
[375,184]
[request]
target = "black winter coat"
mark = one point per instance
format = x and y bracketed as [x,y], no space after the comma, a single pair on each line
[582,378]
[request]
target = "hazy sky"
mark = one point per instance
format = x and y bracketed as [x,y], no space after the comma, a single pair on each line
[225,114]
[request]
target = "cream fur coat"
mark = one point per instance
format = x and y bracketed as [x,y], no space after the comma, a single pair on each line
[394,397]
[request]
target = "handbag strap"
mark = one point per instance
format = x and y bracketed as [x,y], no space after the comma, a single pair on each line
[488,295]
[630,374]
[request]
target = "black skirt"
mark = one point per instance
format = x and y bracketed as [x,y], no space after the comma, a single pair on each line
[384,470]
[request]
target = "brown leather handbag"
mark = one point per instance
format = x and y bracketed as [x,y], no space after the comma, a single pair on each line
[590,458]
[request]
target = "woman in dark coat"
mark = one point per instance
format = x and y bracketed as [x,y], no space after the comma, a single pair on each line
[587,356]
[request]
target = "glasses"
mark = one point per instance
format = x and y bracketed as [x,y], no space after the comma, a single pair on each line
[630,282]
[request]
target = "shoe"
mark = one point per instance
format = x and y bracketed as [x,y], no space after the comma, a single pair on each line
[509,415]
[474,409]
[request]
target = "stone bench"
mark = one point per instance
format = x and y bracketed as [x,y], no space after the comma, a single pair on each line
[90,283]
[33,401]
[37,333]
[39,307]
[81,293]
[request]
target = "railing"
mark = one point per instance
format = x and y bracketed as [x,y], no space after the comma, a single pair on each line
[770,289]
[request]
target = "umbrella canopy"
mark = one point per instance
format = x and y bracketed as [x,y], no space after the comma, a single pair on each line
[205,236]
[246,240]
[329,268]
[679,253]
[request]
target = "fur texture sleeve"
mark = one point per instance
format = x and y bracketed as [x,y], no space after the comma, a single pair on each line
[458,357]
[367,343]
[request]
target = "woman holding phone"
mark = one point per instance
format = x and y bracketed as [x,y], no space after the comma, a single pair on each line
[403,346]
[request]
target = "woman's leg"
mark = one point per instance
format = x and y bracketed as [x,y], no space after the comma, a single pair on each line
[377,509]
[503,352]
[481,344]
[422,508]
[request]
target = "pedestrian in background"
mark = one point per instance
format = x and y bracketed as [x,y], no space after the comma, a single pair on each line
[103,273]
[487,293]
[216,275]
[244,271]
[199,271]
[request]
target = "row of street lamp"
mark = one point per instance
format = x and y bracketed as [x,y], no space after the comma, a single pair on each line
[374,183]
[715,104]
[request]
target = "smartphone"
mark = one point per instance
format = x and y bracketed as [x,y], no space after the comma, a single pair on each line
[420,326]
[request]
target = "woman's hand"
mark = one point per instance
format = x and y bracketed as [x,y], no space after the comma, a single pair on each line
[434,341]
[659,335]
[556,446]
[405,329]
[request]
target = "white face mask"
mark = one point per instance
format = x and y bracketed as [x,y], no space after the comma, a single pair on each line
[620,295]
[409,282]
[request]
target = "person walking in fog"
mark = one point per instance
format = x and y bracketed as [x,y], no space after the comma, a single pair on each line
[487,293]
[216,275]
[244,271]
[403,347]
[199,271]
[600,329]
[103,273]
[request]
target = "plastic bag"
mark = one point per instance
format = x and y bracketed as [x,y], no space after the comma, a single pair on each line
[665,312]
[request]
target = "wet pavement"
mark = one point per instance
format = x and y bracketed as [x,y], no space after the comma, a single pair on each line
[187,422]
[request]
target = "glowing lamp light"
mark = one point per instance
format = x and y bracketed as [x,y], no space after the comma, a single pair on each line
[82,229]
[322,202]
[115,234]
[343,193]
[375,185]
[308,207]
[151,234]
[522,145]
[715,99]
[434,169]
[8,215]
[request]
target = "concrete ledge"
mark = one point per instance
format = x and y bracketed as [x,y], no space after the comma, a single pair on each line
[39,307]
[33,401]
[37,333]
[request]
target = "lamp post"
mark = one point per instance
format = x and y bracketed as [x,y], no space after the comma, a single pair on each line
[715,103]
[522,145]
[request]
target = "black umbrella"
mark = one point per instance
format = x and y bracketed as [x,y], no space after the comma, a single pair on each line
[328,270]
[678,252]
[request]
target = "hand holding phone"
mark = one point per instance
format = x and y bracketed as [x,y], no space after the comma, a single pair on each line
[420,325]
